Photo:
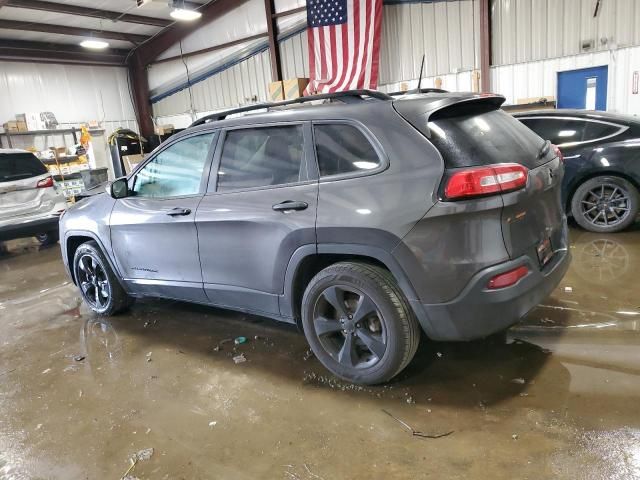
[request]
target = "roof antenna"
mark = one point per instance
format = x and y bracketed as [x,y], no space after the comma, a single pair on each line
[421,72]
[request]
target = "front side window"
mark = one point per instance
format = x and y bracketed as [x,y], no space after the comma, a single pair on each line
[261,157]
[176,171]
[343,149]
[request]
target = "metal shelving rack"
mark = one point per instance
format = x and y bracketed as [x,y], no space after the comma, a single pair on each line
[60,131]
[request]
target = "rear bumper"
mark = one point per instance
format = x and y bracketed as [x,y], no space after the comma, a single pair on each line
[29,227]
[478,312]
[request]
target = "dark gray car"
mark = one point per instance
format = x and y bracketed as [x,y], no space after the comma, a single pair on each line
[363,219]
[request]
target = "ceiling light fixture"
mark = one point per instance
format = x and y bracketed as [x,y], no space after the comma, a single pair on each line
[184,14]
[94,44]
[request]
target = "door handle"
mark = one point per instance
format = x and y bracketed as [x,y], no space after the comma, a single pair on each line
[290,205]
[178,211]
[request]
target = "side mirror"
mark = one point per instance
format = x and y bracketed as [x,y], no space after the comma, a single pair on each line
[119,188]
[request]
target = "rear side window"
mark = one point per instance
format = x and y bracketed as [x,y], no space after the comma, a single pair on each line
[482,137]
[570,130]
[260,157]
[558,131]
[18,166]
[343,149]
[596,130]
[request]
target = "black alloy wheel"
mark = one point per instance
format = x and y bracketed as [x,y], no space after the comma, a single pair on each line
[358,322]
[606,205]
[94,282]
[350,327]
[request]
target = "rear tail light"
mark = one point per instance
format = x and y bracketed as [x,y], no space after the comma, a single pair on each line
[45,183]
[558,152]
[509,278]
[486,180]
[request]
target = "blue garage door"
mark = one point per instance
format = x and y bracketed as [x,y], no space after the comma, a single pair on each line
[584,89]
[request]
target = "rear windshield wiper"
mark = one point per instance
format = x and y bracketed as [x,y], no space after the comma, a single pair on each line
[544,149]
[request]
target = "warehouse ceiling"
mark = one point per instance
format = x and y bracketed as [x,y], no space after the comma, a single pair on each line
[52,30]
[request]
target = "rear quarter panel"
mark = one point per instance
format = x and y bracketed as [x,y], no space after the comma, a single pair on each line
[379,209]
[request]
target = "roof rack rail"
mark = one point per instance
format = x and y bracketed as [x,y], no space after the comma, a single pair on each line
[422,90]
[349,96]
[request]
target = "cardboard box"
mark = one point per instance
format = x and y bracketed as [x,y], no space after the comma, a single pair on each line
[21,117]
[276,92]
[164,129]
[131,162]
[22,126]
[11,126]
[294,88]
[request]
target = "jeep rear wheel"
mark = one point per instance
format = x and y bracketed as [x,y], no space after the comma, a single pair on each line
[358,323]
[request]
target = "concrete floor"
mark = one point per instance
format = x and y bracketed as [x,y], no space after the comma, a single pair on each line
[559,399]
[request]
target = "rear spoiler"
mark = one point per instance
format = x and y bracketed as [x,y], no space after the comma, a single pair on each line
[420,110]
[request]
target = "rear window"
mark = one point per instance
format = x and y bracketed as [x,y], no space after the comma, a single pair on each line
[484,136]
[343,149]
[18,166]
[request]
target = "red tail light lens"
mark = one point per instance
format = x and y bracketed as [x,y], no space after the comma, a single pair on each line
[486,180]
[509,278]
[45,183]
[558,152]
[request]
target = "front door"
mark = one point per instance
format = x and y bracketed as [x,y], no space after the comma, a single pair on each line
[584,89]
[153,231]
[261,209]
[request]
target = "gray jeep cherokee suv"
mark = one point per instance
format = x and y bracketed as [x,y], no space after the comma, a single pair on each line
[364,219]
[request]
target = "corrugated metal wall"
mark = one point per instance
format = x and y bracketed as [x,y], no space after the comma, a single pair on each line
[529,30]
[539,79]
[243,83]
[446,31]
[74,93]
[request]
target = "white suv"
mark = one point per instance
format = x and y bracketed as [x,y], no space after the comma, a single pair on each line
[30,203]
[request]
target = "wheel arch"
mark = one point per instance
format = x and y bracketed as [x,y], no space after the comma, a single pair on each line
[73,240]
[308,260]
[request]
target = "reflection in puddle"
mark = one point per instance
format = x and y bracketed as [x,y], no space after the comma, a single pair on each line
[101,346]
[602,261]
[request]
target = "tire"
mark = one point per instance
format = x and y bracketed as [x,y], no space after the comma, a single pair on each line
[387,323]
[98,285]
[49,238]
[605,204]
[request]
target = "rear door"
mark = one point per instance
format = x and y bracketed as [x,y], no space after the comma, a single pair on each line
[20,173]
[153,231]
[260,208]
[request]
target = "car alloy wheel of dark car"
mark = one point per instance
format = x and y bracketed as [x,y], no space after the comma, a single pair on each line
[605,204]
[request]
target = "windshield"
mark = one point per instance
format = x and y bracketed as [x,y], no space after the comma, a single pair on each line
[18,166]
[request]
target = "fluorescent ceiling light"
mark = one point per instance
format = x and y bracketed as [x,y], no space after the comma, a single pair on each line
[184,14]
[94,44]
[566,133]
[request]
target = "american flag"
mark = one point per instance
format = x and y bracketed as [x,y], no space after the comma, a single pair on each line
[344,44]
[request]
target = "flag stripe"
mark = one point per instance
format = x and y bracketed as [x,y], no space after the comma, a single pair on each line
[344,44]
